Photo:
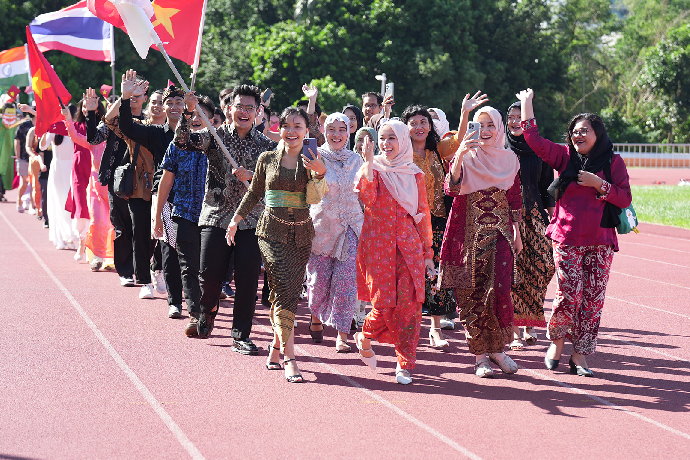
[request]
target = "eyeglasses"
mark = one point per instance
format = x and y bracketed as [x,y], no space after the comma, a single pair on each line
[582,132]
[244,108]
[371,106]
[514,119]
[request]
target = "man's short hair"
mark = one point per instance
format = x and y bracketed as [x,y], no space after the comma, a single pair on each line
[304,103]
[379,98]
[243,90]
[206,103]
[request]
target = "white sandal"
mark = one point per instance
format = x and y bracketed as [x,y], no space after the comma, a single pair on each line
[368,360]
[504,361]
[482,368]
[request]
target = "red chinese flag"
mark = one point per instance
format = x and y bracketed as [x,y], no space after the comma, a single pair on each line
[176,22]
[13,92]
[48,88]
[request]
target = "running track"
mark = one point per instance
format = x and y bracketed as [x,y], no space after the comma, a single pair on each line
[89,371]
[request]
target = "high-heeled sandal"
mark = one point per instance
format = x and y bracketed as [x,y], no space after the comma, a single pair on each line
[342,346]
[272,366]
[516,344]
[316,336]
[297,378]
[530,336]
[437,343]
[368,360]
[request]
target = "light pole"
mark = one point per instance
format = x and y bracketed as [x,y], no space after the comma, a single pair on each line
[382,79]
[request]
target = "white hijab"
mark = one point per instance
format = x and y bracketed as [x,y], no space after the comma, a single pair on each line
[398,172]
[326,151]
[441,126]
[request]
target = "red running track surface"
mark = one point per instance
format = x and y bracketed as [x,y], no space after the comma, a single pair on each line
[88,370]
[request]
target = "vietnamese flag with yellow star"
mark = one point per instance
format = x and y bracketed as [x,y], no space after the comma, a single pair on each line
[48,89]
[177,23]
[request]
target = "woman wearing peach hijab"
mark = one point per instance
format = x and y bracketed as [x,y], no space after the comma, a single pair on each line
[482,238]
[394,247]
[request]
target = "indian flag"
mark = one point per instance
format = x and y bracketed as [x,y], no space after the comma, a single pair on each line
[14,68]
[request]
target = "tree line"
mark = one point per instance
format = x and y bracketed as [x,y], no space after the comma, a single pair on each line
[624,59]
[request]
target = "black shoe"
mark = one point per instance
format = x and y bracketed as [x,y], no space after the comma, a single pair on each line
[316,336]
[245,347]
[579,370]
[46,224]
[551,364]
[205,324]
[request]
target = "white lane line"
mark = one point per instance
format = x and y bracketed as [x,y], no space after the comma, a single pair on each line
[647,306]
[649,279]
[667,237]
[652,260]
[609,403]
[410,418]
[148,396]
[650,349]
[657,247]
[467,453]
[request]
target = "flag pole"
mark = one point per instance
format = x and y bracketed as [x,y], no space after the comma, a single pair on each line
[112,57]
[195,66]
[28,69]
[201,113]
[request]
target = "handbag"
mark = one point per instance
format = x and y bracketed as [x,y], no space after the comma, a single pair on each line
[316,189]
[123,179]
[629,222]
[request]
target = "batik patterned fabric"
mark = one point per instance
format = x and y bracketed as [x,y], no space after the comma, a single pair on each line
[391,238]
[535,269]
[477,261]
[438,301]
[189,167]
[332,286]
[285,265]
[397,319]
[583,272]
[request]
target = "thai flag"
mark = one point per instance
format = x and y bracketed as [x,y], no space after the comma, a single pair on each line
[74,30]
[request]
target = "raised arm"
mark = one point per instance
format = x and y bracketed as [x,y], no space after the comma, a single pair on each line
[468,105]
[77,138]
[138,133]
[311,93]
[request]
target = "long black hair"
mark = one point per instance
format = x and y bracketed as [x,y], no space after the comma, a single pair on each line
[432,139]
[100,112]
[360,122]
[594,120]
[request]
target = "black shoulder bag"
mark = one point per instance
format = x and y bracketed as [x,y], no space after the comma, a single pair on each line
[123,179]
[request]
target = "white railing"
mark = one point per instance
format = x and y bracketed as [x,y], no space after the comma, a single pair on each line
[655,155]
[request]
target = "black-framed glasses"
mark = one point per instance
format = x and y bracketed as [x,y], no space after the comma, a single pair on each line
[244,108]
[582,132]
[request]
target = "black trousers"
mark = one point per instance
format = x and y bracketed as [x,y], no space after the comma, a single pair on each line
[215,258]
[123,252]
[171,273]
[188,241]
[43,183]
[140,212]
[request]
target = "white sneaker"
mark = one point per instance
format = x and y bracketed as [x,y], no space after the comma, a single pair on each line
[159,282]
[126,281]
[402,376]
[146,291]
[175,311]
[504,361]
[482,368]
[20,208]
[96,263]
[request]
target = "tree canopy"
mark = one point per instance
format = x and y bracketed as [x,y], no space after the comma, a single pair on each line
[623,59]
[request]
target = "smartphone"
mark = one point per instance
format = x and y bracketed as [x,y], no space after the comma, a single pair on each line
[266,95]
[389,90]
[309,143]
[474,126]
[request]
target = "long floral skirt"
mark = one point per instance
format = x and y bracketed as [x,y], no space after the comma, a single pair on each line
[332,287]
[487,310]
[535,268]
[398,320]
[583,273]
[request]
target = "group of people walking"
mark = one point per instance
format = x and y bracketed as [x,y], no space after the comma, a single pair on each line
[396,215]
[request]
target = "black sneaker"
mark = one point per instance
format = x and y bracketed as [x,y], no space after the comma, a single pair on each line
[205,324]
[244,346]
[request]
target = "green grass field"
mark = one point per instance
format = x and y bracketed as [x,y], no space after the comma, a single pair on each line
[662,204]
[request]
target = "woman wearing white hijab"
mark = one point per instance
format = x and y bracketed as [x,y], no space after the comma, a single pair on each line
[338,219]
[394,249]
[482,239]
[441,124]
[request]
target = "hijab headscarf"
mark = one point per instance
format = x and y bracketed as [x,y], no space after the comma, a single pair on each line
[489,165]
[372,133]
[398,173]
[360,123]
[530,167]
[441,126]
[326,151]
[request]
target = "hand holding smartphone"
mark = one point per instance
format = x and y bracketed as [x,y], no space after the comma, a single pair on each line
[309,148]
[476,127]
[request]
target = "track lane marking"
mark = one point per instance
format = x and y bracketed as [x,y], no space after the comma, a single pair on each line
[649,279]
[647,306]
[370,393]
[608,403]
[145,392]
[650,349]
[652,260]
[655,247]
